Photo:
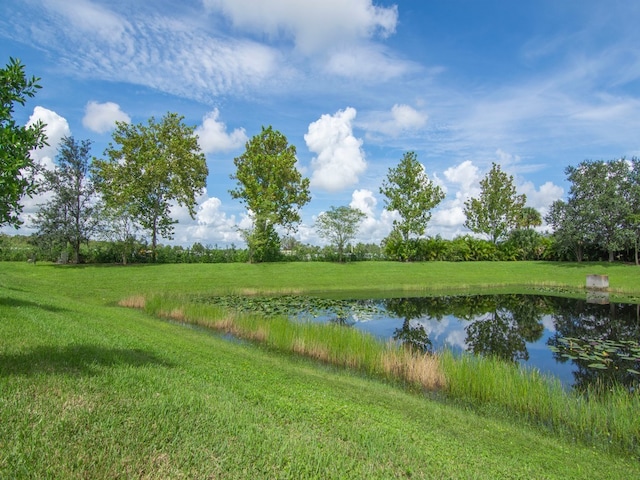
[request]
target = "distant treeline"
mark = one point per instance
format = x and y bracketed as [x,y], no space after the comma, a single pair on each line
[521,245]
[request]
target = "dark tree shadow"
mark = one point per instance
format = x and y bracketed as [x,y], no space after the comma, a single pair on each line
[75,360]
[587,264]
[14,302]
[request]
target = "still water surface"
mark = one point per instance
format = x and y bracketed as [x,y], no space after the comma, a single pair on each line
[519,328]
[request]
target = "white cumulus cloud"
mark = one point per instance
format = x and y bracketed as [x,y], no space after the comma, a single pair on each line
[340,159]
[56,127]
[541,198]
[462,182]
[102,117]
[407,117]
[465,175]
[213,136]
[372,229]
[364,201]
[210,226]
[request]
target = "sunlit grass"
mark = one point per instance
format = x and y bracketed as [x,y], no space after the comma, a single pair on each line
[89,389]
[112,283]
[606,420]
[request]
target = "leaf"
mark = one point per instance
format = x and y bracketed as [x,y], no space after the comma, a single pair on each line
[571,357]
[600,366]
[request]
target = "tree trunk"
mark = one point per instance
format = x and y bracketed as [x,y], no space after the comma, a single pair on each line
[154,240]
[76,253]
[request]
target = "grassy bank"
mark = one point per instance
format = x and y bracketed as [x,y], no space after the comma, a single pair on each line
[608,421]
[92,390]
[112,283]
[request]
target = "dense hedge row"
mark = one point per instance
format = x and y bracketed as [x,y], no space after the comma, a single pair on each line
[521,245]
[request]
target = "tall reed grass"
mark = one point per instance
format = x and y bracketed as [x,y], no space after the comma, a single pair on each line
[606,420]
[329,343]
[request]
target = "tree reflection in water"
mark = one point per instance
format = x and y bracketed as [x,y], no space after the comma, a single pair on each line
[492,325]
[502,325]
[594,324]
[413,336]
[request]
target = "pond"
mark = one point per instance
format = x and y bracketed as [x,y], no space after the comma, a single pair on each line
[574,340]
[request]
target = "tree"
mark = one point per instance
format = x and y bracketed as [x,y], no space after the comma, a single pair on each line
[529,218]
[570,233]
[70,216]
[271,188]
[339,226]
[633,219]
[150,167]
[17,168]
[119,226]
[498,209]
[599,196]
[409,192]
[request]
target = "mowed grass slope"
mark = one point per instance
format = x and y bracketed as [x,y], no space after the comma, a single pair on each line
[112,283]
[92,390]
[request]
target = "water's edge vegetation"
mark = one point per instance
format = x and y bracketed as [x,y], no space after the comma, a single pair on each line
[606,420]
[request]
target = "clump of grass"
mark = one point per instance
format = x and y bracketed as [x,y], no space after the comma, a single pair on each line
[608,420]
[137,301]
[329,343]
[415,367]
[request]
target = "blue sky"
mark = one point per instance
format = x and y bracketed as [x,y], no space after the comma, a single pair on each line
[353,84]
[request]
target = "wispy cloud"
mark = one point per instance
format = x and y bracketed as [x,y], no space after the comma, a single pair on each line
[313,27]
[174,55]
[402,119]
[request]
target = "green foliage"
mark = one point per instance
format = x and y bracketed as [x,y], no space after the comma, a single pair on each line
[121,229]
[70,217]
[481,250]
[396,248]
[598,203]
[17,169]
[461,249]
[409,191]
[435,249]
[525,244]
[498,209]
[150,167]
[529,217]
[599,218]
[633,217]
[339,226]
[263,243]
[271,188]
[570,232]
[17,248]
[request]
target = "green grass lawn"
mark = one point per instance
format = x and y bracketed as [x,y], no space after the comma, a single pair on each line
[92,390]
